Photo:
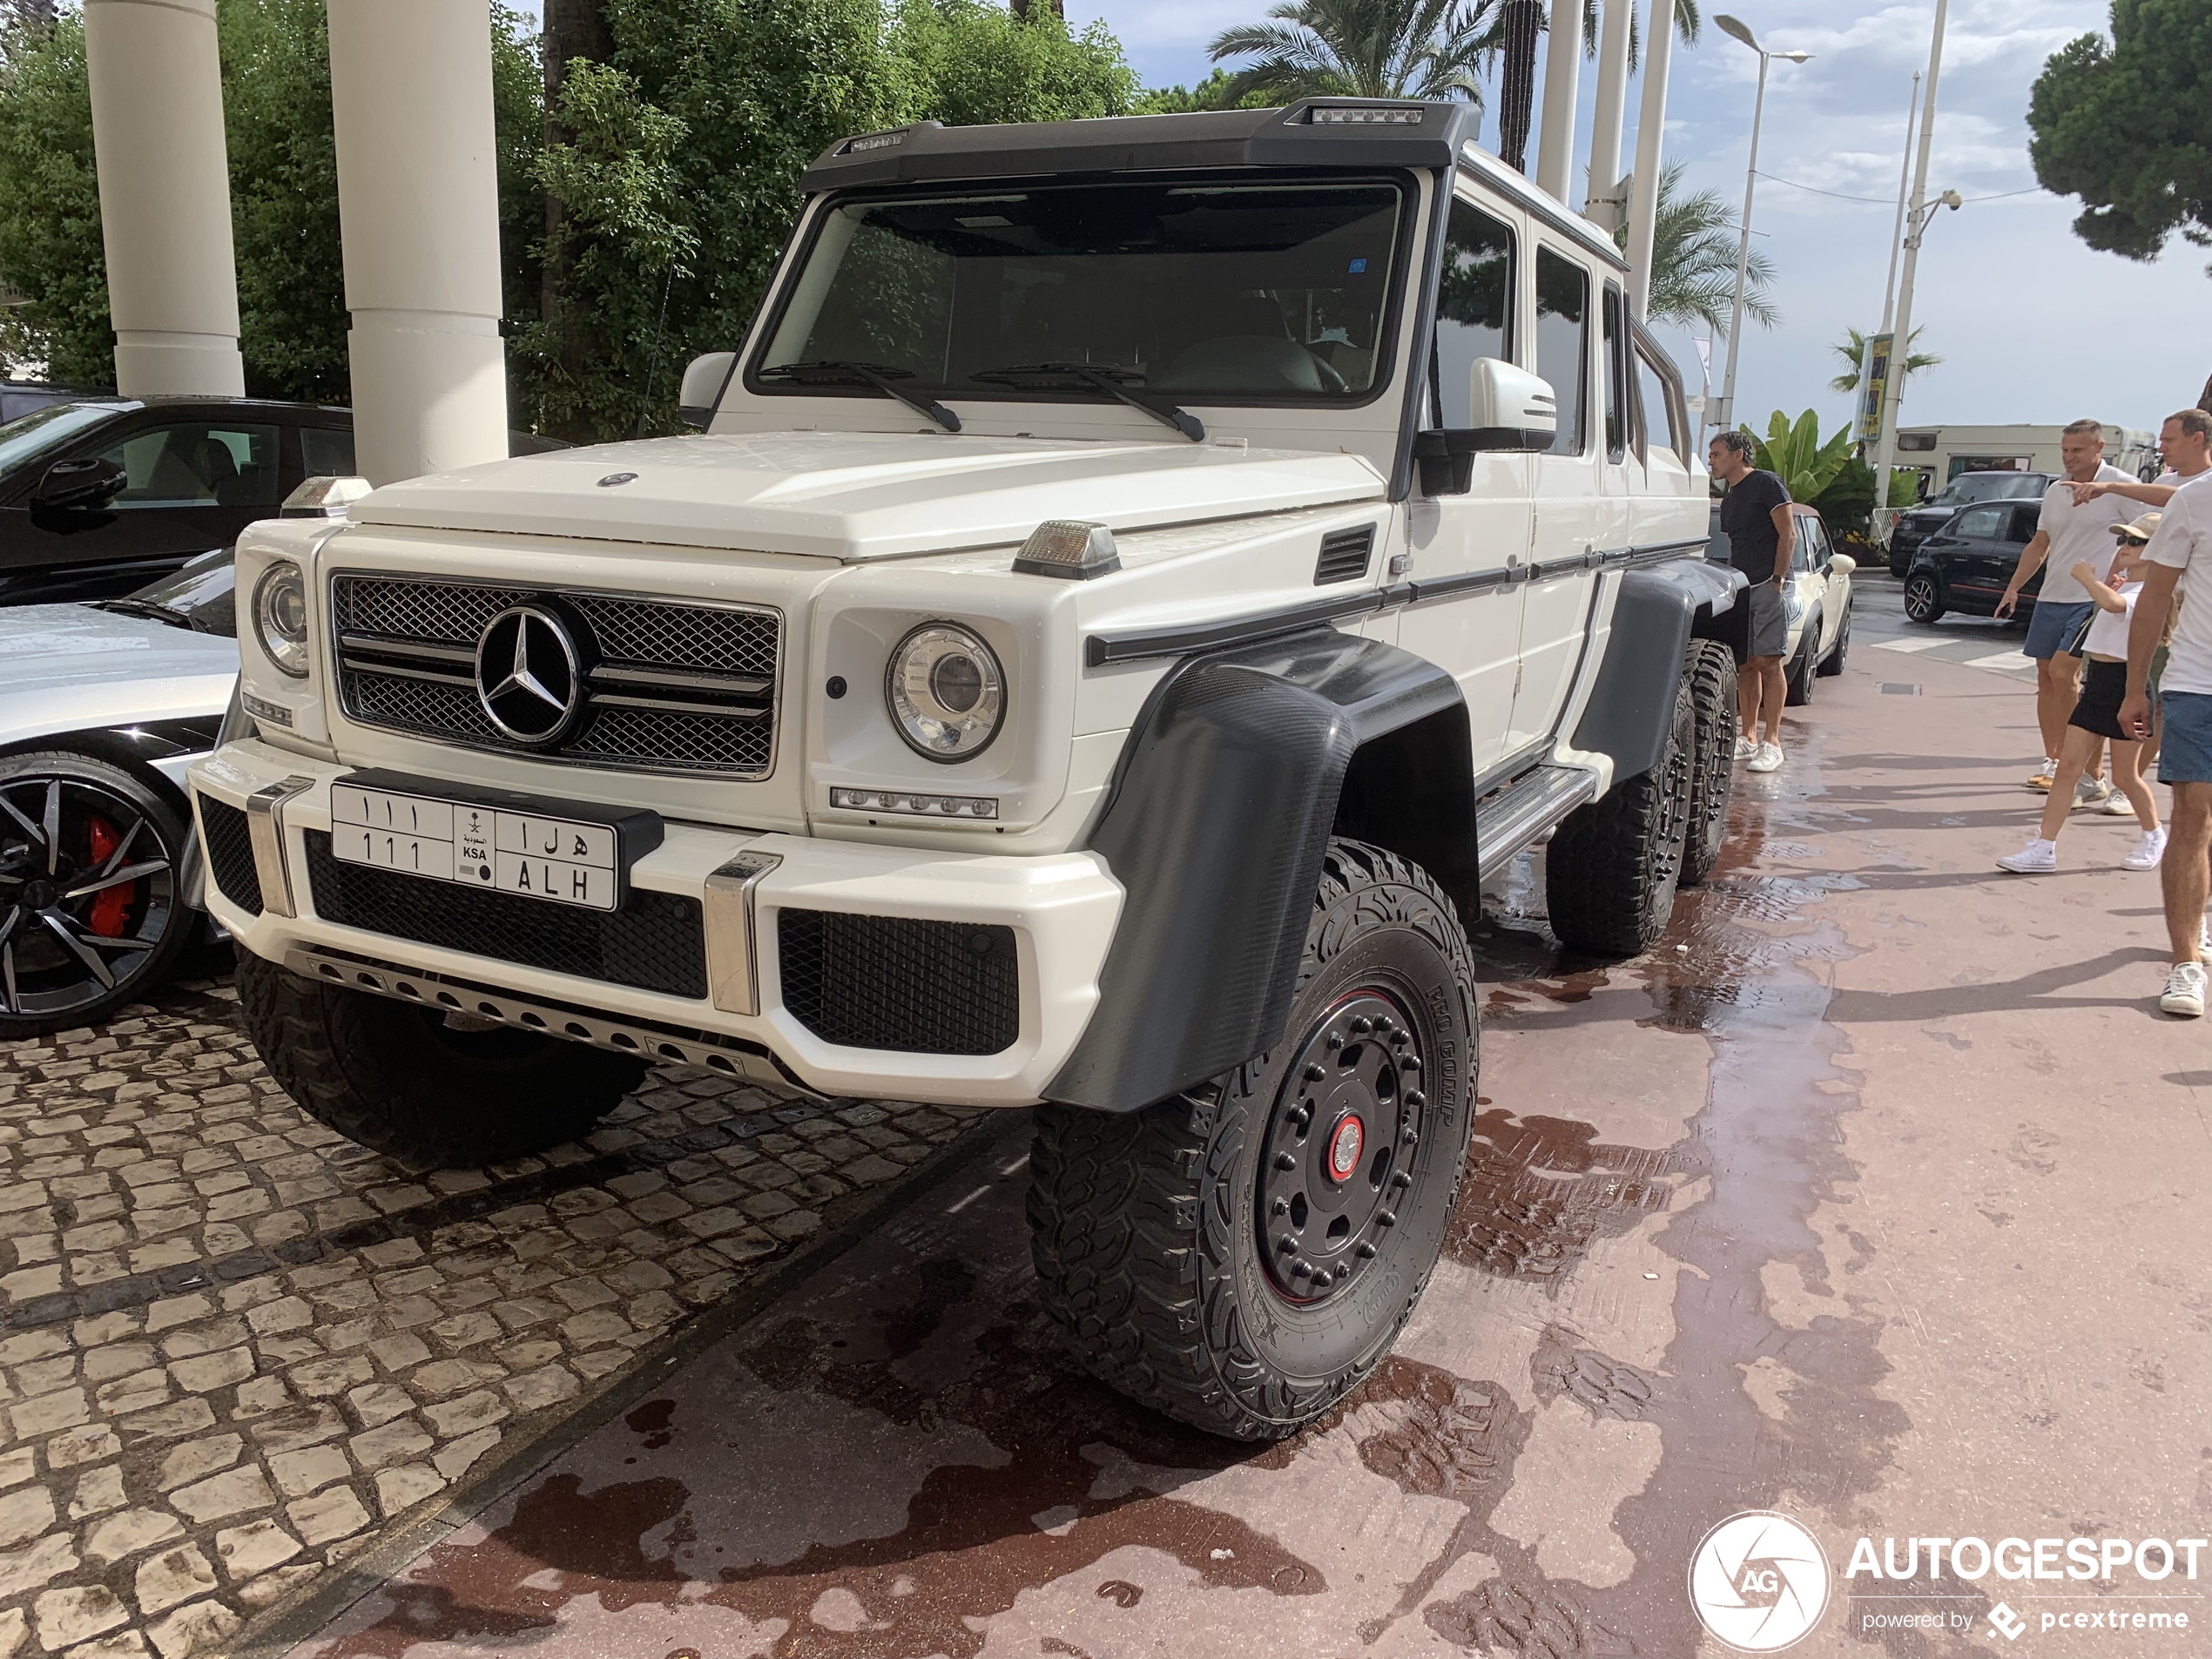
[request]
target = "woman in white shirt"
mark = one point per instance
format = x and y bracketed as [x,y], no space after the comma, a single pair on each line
[2096,715]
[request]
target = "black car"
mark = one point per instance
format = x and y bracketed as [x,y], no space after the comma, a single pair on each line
[100,497]
[1916,524]
[1965,564]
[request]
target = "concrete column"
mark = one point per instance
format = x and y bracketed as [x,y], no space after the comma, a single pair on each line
[1562,81]
[1611,105]
[164,196]
[1651,124]
[418,206]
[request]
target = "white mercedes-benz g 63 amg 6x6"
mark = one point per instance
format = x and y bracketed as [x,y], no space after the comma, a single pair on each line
[1136,577]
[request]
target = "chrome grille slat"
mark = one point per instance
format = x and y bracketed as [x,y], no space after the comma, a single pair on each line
[679,686]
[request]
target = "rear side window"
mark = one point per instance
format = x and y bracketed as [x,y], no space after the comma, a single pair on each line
[1563,345]
[2024,522]
[1616,375]
[1662,421]
[328,451]
[199,464]
[1473,308]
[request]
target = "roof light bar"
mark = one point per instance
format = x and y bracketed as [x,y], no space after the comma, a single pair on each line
[874,141]
[913,804]
[1365,115]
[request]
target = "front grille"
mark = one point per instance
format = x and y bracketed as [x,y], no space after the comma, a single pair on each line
[668,686]
[656,942]
[892,982]
[230,854]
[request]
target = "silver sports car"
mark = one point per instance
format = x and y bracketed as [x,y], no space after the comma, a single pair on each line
[102,707]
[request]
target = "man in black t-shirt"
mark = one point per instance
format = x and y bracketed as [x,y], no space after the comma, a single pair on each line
[1762,537]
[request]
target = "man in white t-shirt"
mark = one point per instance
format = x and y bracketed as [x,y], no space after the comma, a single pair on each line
[2183,543]
[2066,531]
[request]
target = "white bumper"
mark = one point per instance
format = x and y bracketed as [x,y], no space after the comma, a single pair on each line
[1061,910]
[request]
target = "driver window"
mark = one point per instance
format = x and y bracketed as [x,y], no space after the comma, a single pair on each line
[1982,521]
[198,465]
[1473,308]
[1563,344]
[1660,423]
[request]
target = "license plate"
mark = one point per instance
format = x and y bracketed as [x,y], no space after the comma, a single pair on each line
[558,860]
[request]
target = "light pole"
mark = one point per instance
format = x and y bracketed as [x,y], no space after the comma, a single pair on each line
[1916,222]
[1741,31]
[1897,230]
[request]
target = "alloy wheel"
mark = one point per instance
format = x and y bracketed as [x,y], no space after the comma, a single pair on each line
[88,894]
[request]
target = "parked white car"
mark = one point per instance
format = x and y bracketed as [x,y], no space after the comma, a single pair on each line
[1818,603]
[101,708]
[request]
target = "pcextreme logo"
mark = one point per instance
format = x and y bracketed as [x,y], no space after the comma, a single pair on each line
[1759,1581]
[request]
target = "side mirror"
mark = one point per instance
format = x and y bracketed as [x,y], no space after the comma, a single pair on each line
[703,384]
[1843,564]
[1508,410]
[74,485]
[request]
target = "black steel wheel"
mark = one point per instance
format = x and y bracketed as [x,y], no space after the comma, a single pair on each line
[90,910]
[1709,672]
[1923,599]
[1241,1255]
[1611,868]
[1832,663]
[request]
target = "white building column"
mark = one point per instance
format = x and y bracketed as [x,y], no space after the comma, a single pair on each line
[165,181]
[418,206]
[1651,127]
[1563,80]
[1601,204]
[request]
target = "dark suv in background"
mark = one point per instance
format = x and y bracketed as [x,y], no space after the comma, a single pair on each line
[1966,563]
[100,497]
[1916,524]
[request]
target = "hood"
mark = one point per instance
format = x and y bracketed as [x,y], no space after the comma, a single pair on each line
[856,495]
[66,667]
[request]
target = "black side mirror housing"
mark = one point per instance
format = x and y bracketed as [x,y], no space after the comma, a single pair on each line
[74,485]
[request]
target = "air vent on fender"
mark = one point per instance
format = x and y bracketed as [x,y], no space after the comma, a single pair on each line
[1343,555]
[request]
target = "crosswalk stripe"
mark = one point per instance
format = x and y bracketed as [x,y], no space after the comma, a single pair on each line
[2014,659]
[1909,644]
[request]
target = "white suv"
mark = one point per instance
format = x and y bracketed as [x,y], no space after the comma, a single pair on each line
[1135,578]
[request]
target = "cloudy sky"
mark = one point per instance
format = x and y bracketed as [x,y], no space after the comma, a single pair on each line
[2031,324]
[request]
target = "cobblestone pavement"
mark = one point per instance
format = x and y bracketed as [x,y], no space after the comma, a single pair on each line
[237,1348]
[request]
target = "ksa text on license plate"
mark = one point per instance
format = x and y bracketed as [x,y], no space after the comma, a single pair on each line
[558,859]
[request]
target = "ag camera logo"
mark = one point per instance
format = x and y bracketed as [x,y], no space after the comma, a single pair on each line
[1759,1581]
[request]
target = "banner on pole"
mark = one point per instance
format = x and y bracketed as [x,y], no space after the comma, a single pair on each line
[1873,389]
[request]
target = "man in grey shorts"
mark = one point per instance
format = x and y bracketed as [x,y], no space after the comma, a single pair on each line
[1762,537]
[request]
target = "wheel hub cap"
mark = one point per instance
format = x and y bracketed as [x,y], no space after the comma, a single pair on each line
[1339,1146]
[86,893]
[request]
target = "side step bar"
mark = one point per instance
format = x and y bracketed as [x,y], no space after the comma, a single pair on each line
[1508,818]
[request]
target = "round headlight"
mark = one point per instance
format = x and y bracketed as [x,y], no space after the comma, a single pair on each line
[281,617]
[946,693]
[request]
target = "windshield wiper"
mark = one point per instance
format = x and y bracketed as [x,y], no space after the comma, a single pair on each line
[830,372]
[1114,380]
[175,617]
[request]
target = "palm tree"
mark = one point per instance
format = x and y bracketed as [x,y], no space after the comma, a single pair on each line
[1852,349]
[1427,48]
[1693,261]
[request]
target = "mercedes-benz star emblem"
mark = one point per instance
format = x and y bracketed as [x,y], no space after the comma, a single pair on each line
[528,677]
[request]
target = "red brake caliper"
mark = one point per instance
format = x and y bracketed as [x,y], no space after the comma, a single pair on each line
[109,907]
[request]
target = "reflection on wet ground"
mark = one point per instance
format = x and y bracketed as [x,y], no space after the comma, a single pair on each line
[896,1460]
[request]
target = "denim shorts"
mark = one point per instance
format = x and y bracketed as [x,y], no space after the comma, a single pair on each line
[2185,752]
[2051,626]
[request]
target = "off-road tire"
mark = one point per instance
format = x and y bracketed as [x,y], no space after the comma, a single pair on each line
[1145,1226]
[1832,663]
[398,1079]
[1612,867]
[1796,678]
[1924,600]
[1710,674]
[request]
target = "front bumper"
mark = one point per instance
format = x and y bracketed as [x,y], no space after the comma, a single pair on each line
[1061,910]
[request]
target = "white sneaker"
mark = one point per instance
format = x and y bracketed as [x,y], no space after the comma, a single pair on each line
[2148,851]
[2091,791]
[2037,858]
[1745,748]
[2042,777]
[1766,758]
[2184,993]
[2118,807]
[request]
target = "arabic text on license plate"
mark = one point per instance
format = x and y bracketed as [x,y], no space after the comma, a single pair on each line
[558,859]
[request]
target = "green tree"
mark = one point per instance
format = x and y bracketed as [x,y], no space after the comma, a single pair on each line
[1428,49]
[1215,92]
[2127,127]
[1793,452]
[1694,241]
[1852,349]
[981,64]
[49,207]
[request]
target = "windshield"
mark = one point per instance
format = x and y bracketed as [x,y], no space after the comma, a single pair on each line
[1274,292]
[1970,487]
[201,596]
[48,429]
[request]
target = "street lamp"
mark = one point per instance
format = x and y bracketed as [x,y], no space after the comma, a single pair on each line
[1741,31]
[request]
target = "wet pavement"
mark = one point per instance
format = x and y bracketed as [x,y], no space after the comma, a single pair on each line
[1873,1196]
